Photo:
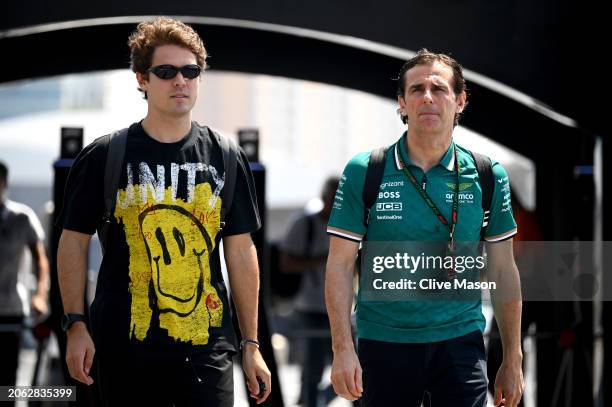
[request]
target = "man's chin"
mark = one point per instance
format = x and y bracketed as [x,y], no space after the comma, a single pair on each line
[429,127]
[181,111]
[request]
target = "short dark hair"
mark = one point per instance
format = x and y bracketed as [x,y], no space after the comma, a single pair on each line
[3,173]
[426,57]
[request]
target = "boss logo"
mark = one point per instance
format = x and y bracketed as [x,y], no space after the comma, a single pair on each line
[389,207]
[389,194]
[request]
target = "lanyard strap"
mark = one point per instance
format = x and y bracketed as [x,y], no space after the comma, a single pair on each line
[427,199]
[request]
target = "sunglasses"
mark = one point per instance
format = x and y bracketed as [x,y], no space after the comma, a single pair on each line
[170,71]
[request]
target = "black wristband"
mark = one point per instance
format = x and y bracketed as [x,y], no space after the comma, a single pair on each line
[68,319]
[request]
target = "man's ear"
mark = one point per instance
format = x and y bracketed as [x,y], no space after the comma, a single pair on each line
[143,81]
[402,105]
[461,101]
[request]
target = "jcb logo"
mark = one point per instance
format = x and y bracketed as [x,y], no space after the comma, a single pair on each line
[389,207]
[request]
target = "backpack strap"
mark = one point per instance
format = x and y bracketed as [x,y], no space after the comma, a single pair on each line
[487,183]
[230,162]
[373,178]
[112,172]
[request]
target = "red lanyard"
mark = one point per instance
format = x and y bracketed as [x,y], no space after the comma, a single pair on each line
[427,199]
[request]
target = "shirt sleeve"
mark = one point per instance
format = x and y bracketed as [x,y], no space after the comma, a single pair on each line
[35,232]
[83,206]
[243,216]
[346,219]
[501,225]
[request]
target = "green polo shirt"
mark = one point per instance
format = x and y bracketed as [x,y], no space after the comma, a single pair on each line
[401,214]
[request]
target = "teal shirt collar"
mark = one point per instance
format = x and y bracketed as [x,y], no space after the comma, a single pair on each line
[447,162]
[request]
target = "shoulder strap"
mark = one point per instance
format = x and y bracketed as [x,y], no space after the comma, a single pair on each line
[230,162]
[112,172]
[373,178]
[487,183]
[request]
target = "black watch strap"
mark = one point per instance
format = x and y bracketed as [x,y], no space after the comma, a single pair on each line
[69,319]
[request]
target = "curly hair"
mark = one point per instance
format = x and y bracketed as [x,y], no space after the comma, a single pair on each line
[425,57]
[162,31]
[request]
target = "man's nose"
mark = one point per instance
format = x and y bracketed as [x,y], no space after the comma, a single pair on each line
[179,79]
[427,96]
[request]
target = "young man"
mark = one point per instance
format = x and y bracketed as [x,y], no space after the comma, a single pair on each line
[411,347]
[160,322]
[20,230]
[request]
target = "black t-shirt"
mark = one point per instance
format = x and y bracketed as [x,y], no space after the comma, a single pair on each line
[160,286]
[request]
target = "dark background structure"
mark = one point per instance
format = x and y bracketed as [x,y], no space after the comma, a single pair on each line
[546,101]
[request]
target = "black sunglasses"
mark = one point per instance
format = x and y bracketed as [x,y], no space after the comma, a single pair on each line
[169,71]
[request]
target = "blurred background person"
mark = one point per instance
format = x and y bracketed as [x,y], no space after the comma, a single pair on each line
[20,231]
[304,250]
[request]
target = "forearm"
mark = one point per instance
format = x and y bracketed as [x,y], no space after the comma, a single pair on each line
[72,271]
[42,272]
[243,272]
[508,316]
[339,298]
[507,308]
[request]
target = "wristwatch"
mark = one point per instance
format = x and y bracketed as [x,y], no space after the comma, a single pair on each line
[69,319]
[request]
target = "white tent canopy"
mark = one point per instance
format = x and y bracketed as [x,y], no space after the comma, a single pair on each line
[308,130]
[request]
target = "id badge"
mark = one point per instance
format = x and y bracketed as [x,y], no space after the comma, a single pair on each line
[450,250]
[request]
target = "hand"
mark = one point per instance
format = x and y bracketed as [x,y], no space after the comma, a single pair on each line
[346,375]
[254,366]
[39,304]
[80,352]
[509,383]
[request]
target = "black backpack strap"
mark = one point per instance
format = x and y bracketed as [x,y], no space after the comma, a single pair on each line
[487,183]
[112,173]
[373,178]
[230,166]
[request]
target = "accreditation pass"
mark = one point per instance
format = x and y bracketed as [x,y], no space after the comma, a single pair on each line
[37,393]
